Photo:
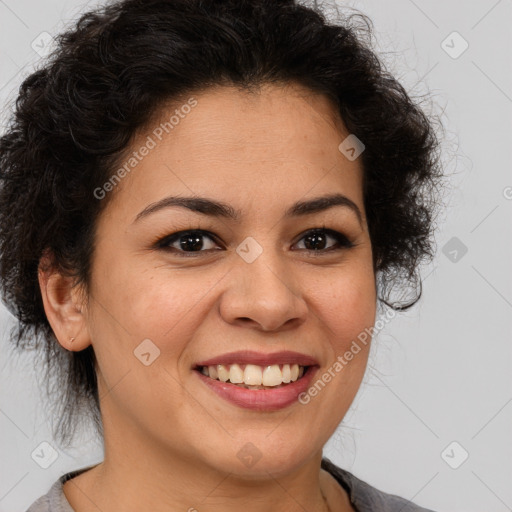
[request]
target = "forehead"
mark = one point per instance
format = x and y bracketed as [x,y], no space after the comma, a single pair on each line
[272,117]
[272,144]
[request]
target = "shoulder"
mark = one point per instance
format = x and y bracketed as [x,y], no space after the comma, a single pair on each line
[52,501]
[55,500]
[42,504]
[367,498]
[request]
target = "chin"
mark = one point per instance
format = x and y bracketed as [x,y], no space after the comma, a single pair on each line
[257,460]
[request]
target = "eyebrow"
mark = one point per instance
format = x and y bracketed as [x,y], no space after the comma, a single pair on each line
[214,208]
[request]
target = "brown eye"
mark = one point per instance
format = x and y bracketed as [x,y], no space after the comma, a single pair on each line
[192,242]
[187,242]
[317,240]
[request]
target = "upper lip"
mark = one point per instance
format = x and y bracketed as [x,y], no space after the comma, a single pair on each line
[260,358]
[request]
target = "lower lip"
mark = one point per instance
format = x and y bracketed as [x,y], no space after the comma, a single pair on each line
[261,399]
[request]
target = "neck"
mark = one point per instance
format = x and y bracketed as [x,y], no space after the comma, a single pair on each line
[141,472]
[142,479]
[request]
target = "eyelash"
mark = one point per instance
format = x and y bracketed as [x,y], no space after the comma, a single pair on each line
[163,243]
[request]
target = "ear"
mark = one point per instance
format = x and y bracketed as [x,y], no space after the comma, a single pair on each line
[64,306]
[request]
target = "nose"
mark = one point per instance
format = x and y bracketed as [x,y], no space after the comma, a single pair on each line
[264,294]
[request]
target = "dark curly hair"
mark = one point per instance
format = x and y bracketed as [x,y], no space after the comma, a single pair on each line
[113,71]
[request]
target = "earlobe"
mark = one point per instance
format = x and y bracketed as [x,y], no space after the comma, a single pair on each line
[64,312]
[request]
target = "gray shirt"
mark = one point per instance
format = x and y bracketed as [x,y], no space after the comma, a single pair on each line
[363,496]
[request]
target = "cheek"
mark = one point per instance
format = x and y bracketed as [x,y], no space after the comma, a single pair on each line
[136,306]
[346,302]
[163,305]
[345,306]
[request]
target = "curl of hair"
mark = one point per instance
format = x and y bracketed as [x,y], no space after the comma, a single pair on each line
[108,76]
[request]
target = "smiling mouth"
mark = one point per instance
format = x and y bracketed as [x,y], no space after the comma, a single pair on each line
[251,376]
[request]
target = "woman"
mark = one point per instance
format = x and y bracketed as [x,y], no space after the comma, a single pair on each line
[203,205]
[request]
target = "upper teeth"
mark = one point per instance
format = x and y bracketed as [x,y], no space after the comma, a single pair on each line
[254,375]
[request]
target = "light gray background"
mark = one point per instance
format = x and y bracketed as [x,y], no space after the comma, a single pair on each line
[439,373]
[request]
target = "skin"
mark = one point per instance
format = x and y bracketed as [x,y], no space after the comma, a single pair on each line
[170,442]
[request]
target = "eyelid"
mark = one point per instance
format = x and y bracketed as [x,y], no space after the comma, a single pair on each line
[164,242]
[343,241]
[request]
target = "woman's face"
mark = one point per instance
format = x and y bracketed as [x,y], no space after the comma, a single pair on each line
[245,283]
